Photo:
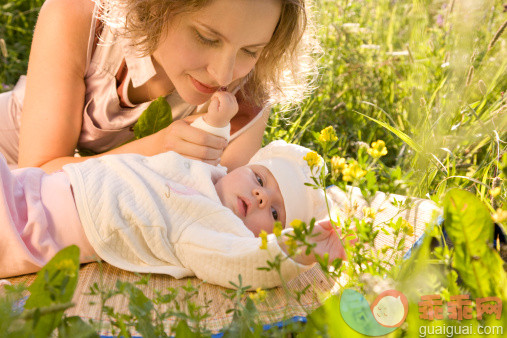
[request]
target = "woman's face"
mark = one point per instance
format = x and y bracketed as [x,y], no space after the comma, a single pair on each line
[216,45]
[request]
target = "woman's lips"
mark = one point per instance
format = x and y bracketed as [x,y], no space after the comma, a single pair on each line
[202,87]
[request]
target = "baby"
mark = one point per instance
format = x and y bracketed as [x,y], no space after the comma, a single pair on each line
[164,214]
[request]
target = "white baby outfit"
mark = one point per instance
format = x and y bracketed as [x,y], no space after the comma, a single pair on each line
[162,214]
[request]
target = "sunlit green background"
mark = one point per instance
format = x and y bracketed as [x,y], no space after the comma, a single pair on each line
[430,69]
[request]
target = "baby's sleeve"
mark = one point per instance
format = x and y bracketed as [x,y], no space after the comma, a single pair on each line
[219,258]
[224,132]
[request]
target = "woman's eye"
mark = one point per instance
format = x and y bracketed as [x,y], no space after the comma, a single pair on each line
[259,179]
[250,53]
[204,40]
[274,213]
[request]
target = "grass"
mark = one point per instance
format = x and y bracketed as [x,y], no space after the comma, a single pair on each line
[18,19]
[407,64]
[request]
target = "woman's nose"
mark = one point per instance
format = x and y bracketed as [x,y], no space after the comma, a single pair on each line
[261,196]
[222,68]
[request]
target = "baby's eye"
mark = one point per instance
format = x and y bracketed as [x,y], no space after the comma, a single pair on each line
[259,179]
[274,213]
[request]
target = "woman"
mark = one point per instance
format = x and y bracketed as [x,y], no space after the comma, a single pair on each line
[94,67]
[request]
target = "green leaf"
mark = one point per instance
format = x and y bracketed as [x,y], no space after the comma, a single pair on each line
[404,137]
[86,152]
[327,321]
[503,165]
[470,228]
[371,182]
[55,284]
[9,309]
[183,330]
[156,117]
[75,327]
[141,307]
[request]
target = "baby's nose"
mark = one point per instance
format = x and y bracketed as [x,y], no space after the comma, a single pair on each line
[261,196]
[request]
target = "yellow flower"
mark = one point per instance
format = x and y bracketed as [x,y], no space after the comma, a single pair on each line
[499,216]
[313,159]
[353,171]
[402,225]
[328,134]
[378,149]
[350,210]
[292,245]
[264,237]
[495,191]
[385,248]
[68,266]
[337,165]
[369,212]
[471,171]
[296,224]
[259,296]
[277,229]
[408,228]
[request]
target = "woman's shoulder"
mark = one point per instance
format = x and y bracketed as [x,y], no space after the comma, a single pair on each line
[73,11]
[69,21]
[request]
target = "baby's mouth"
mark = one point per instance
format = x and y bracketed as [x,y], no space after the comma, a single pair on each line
[242,206]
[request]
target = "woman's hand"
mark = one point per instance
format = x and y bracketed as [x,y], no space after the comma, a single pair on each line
[195,143]
[191,142]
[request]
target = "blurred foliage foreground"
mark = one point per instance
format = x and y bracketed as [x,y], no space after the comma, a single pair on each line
[413,92]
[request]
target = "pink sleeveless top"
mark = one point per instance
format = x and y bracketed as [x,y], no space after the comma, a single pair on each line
[108,116]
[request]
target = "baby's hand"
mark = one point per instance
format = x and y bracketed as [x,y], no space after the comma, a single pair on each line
[327,241]
[221,110]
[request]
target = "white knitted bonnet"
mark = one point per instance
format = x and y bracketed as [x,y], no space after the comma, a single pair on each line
[285,161]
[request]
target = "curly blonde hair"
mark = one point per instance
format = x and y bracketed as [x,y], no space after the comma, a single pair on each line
[286,68]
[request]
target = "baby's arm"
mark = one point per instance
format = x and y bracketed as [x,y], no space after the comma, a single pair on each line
[219,257]
[221,110]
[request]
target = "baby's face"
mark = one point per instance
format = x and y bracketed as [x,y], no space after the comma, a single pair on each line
[252,193]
